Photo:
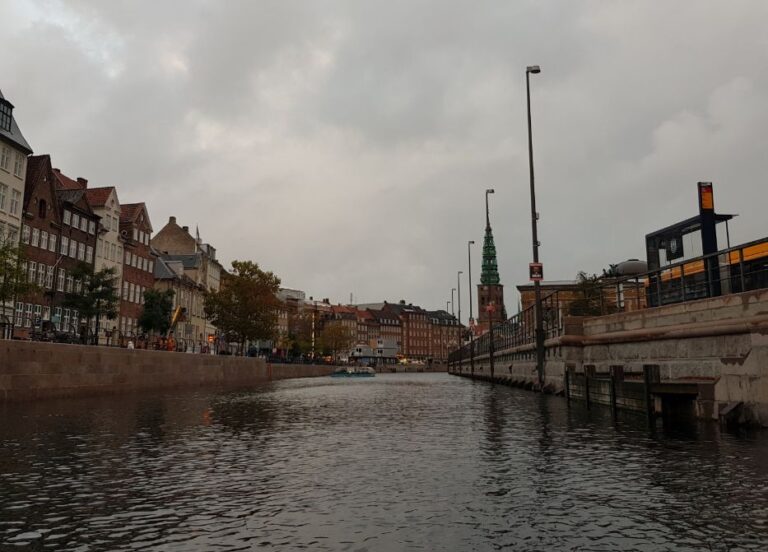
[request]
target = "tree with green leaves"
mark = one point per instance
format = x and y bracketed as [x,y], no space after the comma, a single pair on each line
[589,301]
[245,308]
[158,307]
[99,294]
[13,277]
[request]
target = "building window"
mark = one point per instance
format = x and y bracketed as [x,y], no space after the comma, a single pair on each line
[73,249]
[38,313]
[28,315]
[91,227]
[35,237]
[70,283]
[125,291]
[65,320]
[46,313]
[78,286]
[15,201]
[67,217]
[88,254]
[60,280]
[151,267]
[5,115]
[128,258]
[49,278]
[5,157]
[64,245]
[84,224]
[43,240]
[32,270]
[3,196]
[75,220]
[81,251]
[19,313]
[42,209]
[52,242]
[41,274]
[57,315]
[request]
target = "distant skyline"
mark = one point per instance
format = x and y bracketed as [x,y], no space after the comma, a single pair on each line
[346,146]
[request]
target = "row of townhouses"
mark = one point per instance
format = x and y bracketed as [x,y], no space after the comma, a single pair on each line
[380,332]
[60,222]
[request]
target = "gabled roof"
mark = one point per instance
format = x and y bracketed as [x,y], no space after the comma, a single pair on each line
[97,197]
[129,212]
[66,183]
[39,173]
[15,136]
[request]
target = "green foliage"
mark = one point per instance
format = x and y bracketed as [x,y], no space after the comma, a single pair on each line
[99,293]
[589,302]
[13,277]
[158,307]
[246,305]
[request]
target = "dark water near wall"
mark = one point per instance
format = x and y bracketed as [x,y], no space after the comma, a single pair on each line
[398,462]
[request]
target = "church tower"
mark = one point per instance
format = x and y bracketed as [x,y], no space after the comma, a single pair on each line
[490,292]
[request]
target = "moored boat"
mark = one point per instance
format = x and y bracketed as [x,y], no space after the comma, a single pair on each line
[354,372]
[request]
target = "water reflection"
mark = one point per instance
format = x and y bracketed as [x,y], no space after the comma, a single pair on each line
[402,462]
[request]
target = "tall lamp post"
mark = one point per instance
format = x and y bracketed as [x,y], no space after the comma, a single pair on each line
[535,69]
[453,311]
[458,291]
[469,320]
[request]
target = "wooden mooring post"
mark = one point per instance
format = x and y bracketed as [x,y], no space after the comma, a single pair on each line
[651,375]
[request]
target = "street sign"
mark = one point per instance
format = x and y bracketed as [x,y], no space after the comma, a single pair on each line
[536,272]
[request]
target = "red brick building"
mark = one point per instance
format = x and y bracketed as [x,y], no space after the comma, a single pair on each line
[58,232]
[444,334]
[138,265]
[415,329]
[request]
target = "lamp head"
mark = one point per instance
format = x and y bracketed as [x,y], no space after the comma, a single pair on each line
[490,191]
[533,69]
[471,242]
[461,272]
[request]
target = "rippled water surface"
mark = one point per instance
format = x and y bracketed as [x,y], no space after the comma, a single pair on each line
[396,462]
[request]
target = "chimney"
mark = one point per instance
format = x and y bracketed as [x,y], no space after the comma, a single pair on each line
[82,181]
[185,228]
[56,170]
[172,220]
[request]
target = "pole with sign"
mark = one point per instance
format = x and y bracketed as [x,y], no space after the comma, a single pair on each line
[709,237]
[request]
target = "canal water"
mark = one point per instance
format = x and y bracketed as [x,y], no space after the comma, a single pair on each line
[396,462]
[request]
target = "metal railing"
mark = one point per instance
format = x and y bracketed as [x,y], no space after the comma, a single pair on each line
[732,270]
[516,331]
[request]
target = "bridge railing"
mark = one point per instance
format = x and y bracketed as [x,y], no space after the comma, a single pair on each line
[516,331]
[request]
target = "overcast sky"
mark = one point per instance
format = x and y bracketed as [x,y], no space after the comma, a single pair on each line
[346,146]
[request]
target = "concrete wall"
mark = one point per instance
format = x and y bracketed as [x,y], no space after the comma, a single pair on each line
[33,370]
[720,342]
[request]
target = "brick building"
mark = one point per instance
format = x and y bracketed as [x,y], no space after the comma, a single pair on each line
[490,291]
[444,334]
[176,240]
[415,329]
[138,265]
[58,233]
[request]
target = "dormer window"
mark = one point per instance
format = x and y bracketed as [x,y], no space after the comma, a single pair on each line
[6,110]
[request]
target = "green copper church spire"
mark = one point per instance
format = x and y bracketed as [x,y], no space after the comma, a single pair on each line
[490,273]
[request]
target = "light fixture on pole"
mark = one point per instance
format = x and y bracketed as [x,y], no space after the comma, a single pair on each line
[539,335]
[453,311]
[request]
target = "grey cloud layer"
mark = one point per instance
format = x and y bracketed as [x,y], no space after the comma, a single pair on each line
[346,145]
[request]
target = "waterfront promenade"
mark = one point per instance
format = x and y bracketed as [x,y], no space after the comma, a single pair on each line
[396,462]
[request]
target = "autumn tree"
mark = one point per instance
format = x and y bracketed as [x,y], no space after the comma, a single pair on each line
[336,338]
[246,306]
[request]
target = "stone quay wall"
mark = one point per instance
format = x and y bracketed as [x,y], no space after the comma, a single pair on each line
[718,346]
[35,370]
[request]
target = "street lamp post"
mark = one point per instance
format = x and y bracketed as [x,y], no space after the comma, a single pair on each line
[458,294]
[458,291]
[469,320]
[453,311]
[535,69]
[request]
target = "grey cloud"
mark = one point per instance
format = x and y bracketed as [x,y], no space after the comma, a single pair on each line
[346,145]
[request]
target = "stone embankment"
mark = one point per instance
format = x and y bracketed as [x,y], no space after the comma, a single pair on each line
[708,356]
[34,370]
